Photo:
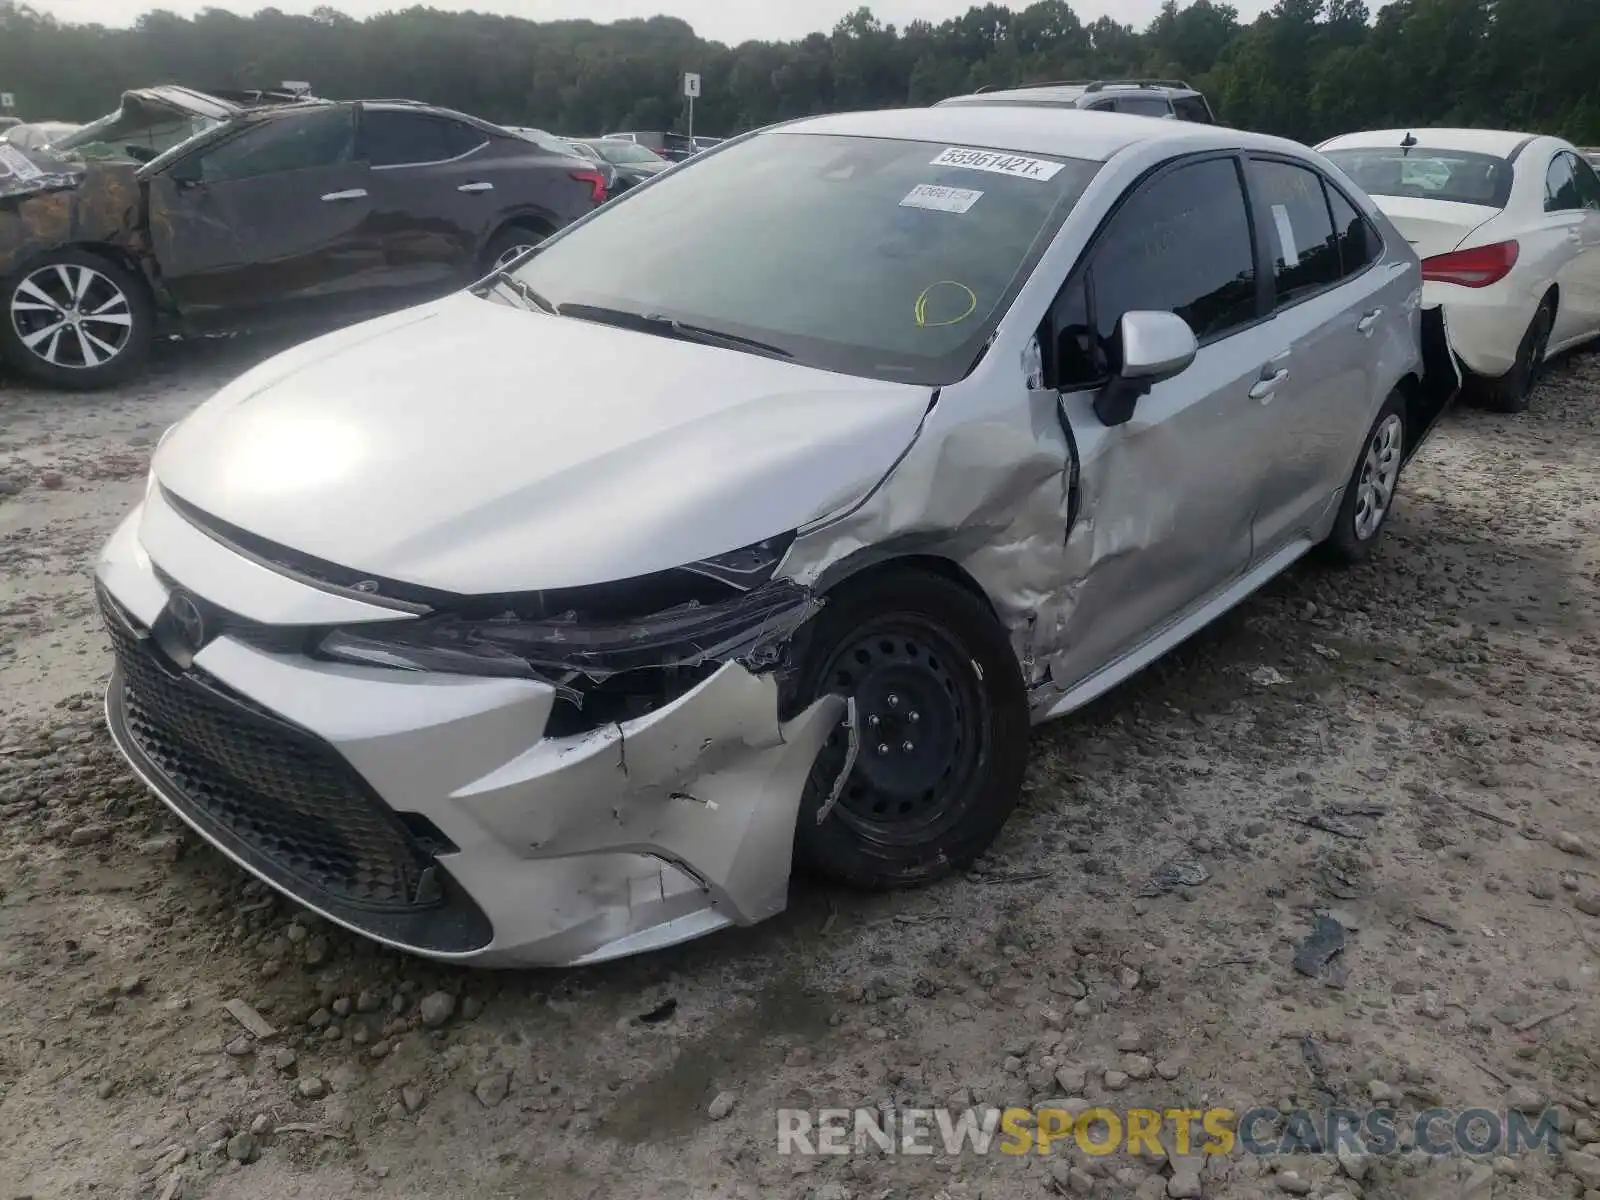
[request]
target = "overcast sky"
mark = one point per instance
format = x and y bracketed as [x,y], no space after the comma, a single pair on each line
[729,21]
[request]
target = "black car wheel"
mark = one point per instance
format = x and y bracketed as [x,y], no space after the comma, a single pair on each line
[942,732]
[75,320]
[510,244]
[1512,391]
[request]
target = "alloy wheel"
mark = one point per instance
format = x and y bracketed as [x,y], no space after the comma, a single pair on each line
[512,254]
[72,316]
[1380,471]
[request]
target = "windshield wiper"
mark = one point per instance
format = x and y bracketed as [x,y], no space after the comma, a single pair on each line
[665,326]
[524,290]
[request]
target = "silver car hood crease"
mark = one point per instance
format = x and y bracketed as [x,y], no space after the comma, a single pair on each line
[496,475]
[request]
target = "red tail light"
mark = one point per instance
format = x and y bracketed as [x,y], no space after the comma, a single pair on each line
[596,182]
[1475,268]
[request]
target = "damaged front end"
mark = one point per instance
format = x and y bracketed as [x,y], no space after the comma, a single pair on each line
[48,201]
[535,779]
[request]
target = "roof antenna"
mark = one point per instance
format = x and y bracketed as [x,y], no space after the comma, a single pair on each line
[1408,141]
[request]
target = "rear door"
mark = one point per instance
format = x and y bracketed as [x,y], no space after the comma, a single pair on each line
[1339,313]
[265,216]
[433,195]
[1588,273]
[1172,494]
[1578,270]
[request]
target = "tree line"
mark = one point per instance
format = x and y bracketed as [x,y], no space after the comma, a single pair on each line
[1307,69]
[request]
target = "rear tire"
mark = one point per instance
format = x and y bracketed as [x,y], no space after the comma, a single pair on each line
[1369,495]
[508,245]
[1512,391]
[75,320]
[943,725]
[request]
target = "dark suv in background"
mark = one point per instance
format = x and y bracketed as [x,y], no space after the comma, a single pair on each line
[1170,98]
[301,209]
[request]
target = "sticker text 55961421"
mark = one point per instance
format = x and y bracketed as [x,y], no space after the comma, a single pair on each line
[999,163]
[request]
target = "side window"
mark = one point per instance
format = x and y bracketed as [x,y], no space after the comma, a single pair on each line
[391,138]
[1144,106]
[1180,245]
[1359,244]
[1299,228]
[461,138]
[1192,108]
[1104,106]
[1588,184]
[1075,356]
[291,142]
[1561,186]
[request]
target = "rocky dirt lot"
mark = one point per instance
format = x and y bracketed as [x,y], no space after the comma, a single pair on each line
[1408,749]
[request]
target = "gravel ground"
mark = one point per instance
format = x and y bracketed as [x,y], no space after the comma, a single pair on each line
[1410,746]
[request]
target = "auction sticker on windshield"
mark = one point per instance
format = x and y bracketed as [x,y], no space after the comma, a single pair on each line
[13,163]
[998,163]
[941,199]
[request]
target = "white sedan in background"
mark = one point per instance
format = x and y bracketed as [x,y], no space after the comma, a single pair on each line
[1508,228]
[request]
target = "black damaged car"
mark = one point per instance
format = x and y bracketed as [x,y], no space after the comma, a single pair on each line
[188,213]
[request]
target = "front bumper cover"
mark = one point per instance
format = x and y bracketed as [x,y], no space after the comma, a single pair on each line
[554,851]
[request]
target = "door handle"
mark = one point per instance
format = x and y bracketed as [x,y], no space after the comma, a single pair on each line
[352,194]
[1369,322]
[476,187]
[1267,385]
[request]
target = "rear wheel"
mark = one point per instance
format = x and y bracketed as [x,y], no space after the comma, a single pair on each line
[1369,495]
[75,320]
[510,244]
[1512,391]
[942,724]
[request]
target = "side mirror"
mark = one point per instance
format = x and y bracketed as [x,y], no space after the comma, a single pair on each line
[1156,346]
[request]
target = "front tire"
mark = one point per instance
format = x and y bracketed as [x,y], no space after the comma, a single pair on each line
[1369,494]
[942,718]
[1512,391]
[75,320]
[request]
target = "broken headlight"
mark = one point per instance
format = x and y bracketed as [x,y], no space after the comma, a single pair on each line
[614,651]
[749,626]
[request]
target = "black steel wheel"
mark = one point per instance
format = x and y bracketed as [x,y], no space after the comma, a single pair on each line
[941,732]
[1512,391]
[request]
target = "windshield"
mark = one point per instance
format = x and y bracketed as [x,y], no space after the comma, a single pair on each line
[1460,176]
[886,259]
[627,152]
[151,130]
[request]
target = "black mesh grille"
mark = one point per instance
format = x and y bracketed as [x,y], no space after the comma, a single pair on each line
[277,789]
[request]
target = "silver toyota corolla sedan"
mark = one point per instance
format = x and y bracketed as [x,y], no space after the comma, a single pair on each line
[915,429]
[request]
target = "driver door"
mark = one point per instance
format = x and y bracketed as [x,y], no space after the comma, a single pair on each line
[268,218]
[1168,500]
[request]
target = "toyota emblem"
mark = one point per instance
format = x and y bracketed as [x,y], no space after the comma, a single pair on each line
[187,620]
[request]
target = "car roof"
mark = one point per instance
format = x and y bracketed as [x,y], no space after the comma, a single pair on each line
[1499,142]
[1028,129]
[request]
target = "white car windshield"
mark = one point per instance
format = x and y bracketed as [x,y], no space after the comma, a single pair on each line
[1460,176]
[870,256]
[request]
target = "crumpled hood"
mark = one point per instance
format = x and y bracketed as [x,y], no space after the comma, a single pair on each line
[34,172]
[475,448]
